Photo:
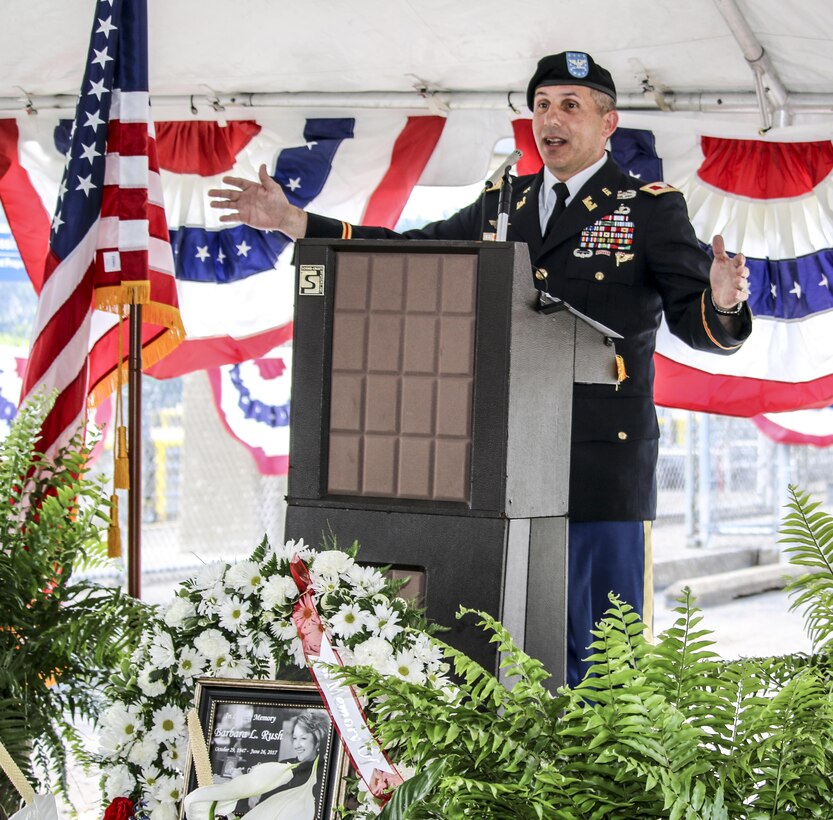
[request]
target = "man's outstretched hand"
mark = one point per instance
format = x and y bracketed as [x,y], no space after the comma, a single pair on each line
[260,204]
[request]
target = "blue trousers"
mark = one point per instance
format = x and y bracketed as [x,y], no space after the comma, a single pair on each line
[604,557]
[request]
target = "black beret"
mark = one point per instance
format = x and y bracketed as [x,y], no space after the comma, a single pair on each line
[570,68]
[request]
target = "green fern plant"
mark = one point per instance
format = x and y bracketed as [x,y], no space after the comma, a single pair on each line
[667,730]
[60,636]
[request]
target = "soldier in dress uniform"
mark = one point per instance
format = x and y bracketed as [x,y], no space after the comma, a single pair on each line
[620,251]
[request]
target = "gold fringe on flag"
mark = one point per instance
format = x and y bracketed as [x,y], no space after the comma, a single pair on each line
[199,751]
[12,771]
[113,298]
[113,531]
[121,468]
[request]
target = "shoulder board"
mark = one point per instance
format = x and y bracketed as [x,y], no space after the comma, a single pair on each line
[657,188]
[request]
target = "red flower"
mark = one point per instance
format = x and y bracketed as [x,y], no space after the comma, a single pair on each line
[120,809]
[308,623]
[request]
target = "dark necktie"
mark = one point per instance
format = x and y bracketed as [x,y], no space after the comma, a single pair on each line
[561,194]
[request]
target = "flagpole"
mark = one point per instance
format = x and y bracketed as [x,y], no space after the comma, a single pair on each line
[134,416]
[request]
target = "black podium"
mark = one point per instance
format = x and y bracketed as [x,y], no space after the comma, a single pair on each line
[430,421]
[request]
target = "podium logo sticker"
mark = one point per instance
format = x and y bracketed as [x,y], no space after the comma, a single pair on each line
[311,280]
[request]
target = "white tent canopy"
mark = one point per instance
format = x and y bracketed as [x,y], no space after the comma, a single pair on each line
[220,49]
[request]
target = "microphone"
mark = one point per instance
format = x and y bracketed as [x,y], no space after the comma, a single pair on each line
[493,180]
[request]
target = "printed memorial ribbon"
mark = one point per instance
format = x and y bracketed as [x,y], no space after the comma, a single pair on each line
[368,757]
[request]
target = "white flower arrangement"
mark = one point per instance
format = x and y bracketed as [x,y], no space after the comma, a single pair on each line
[234,621]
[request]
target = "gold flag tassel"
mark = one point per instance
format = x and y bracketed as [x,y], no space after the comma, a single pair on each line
[121,469]
[113,531]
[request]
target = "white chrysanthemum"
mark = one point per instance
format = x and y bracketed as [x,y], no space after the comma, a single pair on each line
[191,663]
[151,689]
[331,564]
[375,652]
[287,551]
[279,590]
[209,575]
[180,609]
[234,614]
[212,644]
[165,810]
[245,577]
[366,580]
[144,752]
[119,726]
[168,724]
[384,621]
[348,621]
[119,782]
[406,665]
[162,653]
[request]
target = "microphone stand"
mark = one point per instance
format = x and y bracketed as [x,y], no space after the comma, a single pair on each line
[503,202]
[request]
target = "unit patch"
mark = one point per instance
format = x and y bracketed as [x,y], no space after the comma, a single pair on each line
[657,188]
[613,231]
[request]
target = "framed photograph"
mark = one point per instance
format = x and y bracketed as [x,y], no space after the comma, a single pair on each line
[248,722]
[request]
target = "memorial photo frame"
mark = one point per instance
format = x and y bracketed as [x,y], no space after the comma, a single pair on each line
[248,722]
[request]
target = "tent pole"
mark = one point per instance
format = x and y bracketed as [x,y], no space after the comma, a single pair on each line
[134,414]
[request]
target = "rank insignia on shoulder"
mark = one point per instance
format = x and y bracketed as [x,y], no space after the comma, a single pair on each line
[657,188]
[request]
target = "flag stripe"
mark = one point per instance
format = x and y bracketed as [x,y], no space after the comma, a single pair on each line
[416,143]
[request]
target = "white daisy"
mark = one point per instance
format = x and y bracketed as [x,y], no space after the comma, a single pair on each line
[168,723]
[366,580]
[427,652]
[236,668]
[245,577]
[149,776]
[167,789]
[161,652]
[254,645]
[234,613]
[296,650]
[278,591]
[191,663]
[373,652]
[212,644]
[210,599]
[179,610]
[406,665]
[384,621]
[119,726]
[348,621]
[173,756]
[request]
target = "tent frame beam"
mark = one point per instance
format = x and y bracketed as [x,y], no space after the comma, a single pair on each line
[240,105]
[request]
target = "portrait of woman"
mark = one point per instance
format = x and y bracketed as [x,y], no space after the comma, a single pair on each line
[298,798]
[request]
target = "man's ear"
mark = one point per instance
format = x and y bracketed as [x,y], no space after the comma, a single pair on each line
[611,123]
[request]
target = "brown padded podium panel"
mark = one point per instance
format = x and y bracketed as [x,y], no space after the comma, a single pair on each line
[401,381]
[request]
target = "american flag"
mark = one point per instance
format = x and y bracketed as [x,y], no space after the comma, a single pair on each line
[109,242]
